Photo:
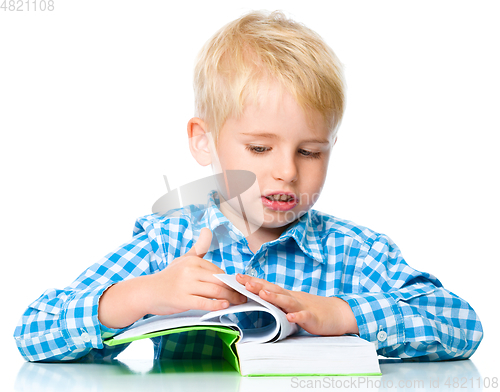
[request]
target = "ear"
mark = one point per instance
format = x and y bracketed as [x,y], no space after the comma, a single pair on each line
[198,141]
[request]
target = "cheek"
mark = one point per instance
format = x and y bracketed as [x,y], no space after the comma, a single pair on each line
[227,161]
[313,183]
[232,158]
[315,173]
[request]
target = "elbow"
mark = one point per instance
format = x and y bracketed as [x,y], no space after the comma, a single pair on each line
[471,335]
[49,346]
[33,354]
[462,342]
[474,336]
[445,342]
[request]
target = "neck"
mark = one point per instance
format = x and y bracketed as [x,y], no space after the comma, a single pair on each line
[254,234]
[263,235]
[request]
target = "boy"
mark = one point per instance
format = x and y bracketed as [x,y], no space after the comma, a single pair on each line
[269,100]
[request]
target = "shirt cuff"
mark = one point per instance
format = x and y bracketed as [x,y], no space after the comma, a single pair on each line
[79,322]
[378,316]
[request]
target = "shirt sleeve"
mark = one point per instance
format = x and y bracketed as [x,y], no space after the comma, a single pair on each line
[63,325]
[407,313]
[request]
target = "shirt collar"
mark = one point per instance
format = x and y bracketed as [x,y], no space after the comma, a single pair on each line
[307,234]
[213,215]
[306,231]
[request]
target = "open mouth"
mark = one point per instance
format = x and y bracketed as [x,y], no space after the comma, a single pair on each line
[279,201]
[279,197]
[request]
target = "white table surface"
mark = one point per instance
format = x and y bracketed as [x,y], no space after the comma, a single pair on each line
[144,375]
[136,371]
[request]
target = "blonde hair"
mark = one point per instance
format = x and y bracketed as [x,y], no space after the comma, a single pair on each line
[272,47]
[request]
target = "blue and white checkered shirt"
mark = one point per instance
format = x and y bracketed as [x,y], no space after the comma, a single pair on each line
[407,313]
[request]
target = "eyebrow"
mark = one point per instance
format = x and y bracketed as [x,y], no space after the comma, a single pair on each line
[276,137]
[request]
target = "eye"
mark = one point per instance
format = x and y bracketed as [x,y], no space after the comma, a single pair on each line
[257,149]
[309,154]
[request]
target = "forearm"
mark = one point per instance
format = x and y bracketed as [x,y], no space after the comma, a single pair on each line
[62,325]
[125,302]
[405,312]
[348,318]
[409,323]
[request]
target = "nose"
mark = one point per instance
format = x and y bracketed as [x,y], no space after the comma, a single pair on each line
[284,169]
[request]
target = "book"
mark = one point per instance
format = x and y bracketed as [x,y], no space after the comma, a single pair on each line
[276,349]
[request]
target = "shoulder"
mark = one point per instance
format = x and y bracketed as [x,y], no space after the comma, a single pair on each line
[344,239]
[171,232]
[177,218]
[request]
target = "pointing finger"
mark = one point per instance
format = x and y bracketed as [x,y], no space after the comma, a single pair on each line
[200,248]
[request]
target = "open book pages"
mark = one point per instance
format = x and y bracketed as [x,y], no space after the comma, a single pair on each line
[286,328]
[279,329]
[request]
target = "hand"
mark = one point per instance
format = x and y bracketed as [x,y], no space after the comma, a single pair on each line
[317,315]
[188,282]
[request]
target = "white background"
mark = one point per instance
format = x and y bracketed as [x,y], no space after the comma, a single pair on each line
[95,97]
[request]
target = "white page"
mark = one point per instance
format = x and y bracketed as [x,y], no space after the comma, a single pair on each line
[256,335]
[158,323]
[287,328]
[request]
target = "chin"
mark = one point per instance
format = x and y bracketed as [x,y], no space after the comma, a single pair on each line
[281,221]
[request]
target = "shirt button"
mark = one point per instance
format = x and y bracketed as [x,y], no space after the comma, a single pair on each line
[381,336]
[85,337]
[252,272]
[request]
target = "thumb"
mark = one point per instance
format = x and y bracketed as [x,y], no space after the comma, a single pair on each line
[200,248]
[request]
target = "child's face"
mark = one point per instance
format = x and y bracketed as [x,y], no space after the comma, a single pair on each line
[286,150]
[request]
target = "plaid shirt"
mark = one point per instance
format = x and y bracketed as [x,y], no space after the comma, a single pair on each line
[406,313]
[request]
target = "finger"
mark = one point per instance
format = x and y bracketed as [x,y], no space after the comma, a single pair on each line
[247,278]
[199,270]
[255,285]
[210,267]
[200,248]
[302,317]
[210,290]
[204,266]
[202,303]
[288,303]
[243,278]
[206,272]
